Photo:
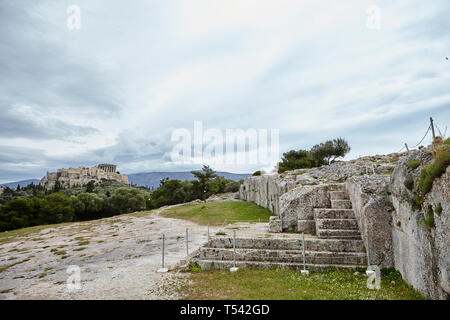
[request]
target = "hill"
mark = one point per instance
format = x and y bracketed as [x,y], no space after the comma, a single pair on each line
[152,179]
[23,183]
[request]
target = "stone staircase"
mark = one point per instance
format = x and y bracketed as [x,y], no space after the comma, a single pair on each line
[258,253]
[337,222]
[337,244]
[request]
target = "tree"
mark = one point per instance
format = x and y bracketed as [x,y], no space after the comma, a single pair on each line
[330,150]
[88,206]
[292,160]
[201,189]
[90,186]
[57,187]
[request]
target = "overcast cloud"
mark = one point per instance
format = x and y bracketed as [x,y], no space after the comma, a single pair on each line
[114,90]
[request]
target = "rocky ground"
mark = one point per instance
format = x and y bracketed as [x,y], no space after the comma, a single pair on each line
[118,258]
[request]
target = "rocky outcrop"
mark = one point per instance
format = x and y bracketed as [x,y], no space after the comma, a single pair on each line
[400,226]
[421,251]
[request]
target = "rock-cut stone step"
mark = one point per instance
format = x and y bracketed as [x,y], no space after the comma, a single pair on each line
[339,234]
[227,264]
[341,204]
[339,195]
[327,213]
[285,256]
[348,224]
[314,244]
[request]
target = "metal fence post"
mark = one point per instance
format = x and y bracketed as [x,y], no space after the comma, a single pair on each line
[234,269]
[163,268]
[208,232]
[187,242]
[304,271]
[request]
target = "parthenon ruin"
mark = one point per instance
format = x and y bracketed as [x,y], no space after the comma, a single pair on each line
[80,176]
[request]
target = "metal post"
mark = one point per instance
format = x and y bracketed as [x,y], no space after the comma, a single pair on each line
[187,242]
[225,222]
[163,243]
[432,128]
[304,271]
[208,232]
[163,268]
[259,219]
[234,248]
[406,147]
[368,250]
[234,269]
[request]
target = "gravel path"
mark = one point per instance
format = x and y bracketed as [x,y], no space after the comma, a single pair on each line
[118,258]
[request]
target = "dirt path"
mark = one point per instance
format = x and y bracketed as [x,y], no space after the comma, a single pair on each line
[118,258]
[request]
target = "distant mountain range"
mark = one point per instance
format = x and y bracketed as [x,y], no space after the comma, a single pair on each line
[147,179]
[23,183]
[152,179]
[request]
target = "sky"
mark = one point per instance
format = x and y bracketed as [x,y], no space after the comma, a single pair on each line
[115,89]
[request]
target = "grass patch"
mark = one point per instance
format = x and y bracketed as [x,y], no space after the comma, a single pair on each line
[434,169]
[58,252]
[215,213]
[417,202]
[10,236]
[83,243]
[4,268]
[409,183]
[429,218]
[438,209]
[414,163]
[291,285]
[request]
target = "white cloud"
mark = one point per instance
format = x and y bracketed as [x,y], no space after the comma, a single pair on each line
[136,71]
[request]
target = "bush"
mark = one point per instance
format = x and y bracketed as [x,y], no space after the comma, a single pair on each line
[429,218]
[434,169]
[409,183]
[414,163]
[417,202]
[438,209]
[297,160]
[257,173]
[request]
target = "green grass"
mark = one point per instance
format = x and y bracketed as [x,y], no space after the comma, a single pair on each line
[434,169]
[414,163]
[409,183]
[216,212]
[4,268]
[291,285]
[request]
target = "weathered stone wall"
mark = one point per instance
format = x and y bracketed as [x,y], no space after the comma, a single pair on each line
[266,190]
[371,203]
[421,253]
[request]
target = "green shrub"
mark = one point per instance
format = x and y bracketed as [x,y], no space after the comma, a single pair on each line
[409,183]
[417,202]
[447,141]
[257,173]
[434,169]
[414,163]
[429,218]
[438,209]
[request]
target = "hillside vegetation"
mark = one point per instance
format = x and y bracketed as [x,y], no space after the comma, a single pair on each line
[216,212]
